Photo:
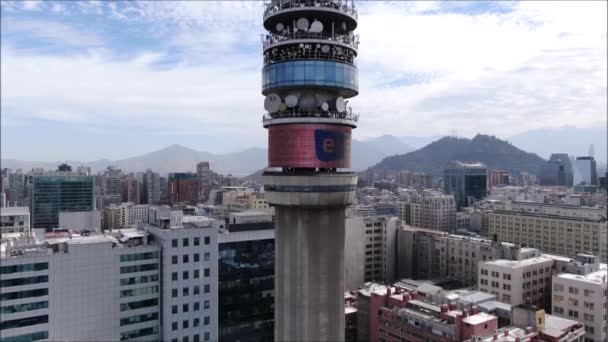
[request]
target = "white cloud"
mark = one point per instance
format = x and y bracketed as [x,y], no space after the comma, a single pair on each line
[423,70]
[32,5]
[52,31]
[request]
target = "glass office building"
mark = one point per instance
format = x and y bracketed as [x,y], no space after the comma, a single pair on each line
[465,181]
[246,289]
[52,194]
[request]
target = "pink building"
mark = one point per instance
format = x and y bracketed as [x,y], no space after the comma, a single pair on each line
[393,314]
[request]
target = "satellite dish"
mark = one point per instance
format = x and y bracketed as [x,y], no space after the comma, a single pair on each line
[282,107]
[272,103]
[325,48]
[325,107]
[308,102]
[340,105]
[316,26]
[280,27]
[291,100]
[343,26]
[301,45]
[351,35]
[302,24]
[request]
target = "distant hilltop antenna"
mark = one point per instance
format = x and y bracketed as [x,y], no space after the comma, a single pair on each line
[454,133]
[591,151]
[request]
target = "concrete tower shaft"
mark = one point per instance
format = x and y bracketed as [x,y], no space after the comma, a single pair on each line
[309,74]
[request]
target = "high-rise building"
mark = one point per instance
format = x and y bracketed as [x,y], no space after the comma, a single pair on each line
[498,178]
[151,187]
[428,209]
[16,189]
[246,278]
[58,191]
[131,189]
[370,250]
[110,186]
[558,229]
[183,188]
[72,287]
[585,171]
[467,182]
[557,171]
[203,172]
[309,72]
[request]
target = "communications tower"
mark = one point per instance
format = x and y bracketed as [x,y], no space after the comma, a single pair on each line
[309,72]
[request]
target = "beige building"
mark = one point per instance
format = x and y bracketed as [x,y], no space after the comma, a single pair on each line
[582,296]
[428,209]
[370,244]
[515,282]
[556,229]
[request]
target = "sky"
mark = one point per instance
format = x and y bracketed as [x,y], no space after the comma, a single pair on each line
[86,80]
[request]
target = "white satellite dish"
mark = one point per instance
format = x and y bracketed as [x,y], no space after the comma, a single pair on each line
[325,107]
[272,102]
[340,105]
[316,26]
[282,107]
[302,24]
[280,27]
[325,48]
[308,102]
[291,100]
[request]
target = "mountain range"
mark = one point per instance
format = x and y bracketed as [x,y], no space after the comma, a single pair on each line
[178,158]
[495,153]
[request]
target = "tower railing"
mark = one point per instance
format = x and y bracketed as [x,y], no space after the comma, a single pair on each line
[275,6]
[273,38]
[297,113]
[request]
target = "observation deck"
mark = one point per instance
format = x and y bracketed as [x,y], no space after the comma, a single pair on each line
[296,116]
[280,11]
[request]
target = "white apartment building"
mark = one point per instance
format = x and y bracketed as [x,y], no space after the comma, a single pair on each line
[583,297]
[127,214]
[189,267]
[370,249]
[428,209]
[14,220]
[71,287]
[514,282]
[556,229]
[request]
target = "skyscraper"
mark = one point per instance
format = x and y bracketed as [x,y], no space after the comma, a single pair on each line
[204,180]
[585,171]
[16,188]
[182,188]
[151,187]
[557,171]
[54,192]
[309,70]
[465,181]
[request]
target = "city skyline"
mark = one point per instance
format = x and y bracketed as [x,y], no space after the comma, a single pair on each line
[152,69]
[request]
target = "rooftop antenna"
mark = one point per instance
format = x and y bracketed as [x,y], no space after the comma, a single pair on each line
[591,151]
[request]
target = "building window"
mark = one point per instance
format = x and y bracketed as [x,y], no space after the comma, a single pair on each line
[207,304]
[174,243]
[206,320]
[196,274]
[207,271]
[185,291]
[196,306]
[174,260]
[197,290]
[185,275]
[174,276]
[185,339]
[207,288]
[207,337]
[197,241]
[185,242]
[174,309]
[207,240]
[197,257]
[174,293]
[207,256]
[196,338]
[174,326]
[185,324]
[185,308]
[195,322]
[185,258]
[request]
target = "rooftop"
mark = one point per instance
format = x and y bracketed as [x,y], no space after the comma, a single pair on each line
[558,326]
[597,277]
[518,263]
[478,318]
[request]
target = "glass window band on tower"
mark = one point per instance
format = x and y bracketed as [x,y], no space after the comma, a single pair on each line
[314,73]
